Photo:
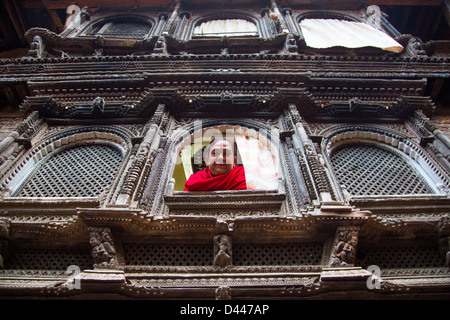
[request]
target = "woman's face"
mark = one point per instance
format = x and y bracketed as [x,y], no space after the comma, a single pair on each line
[221,158]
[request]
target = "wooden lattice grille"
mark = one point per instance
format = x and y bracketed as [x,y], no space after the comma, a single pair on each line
[82,171]
[203,254]
[48,259]
[402,257]
[127,29]
[251,254]
[369,170]
[121,29]
[168,254]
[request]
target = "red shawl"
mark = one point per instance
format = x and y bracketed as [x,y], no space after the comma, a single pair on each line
[204,181]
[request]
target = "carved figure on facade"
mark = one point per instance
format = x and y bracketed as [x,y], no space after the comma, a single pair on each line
[37,48]
[346,194]
[222,250]
[98,105]
[103,251]
[291,44]
[416,47]
[223,293]
[160,45]
[345,250]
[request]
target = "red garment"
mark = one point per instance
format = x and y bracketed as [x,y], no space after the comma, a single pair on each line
[204,181]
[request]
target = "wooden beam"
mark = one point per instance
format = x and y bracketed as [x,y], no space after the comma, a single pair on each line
[404,2]
[58,25]
[16,20]
[402,24]
[419,18]
[63,4]
[446,11]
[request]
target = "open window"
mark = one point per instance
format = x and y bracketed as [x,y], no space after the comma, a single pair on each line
[256,152]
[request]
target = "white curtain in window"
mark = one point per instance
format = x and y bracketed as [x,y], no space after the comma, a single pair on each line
[186,160]
[228,27]
[326,33]
[259,164]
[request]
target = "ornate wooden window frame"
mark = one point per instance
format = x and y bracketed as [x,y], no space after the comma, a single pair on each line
[20,171]
[198,20]
[85,31]
[268,37]
[229,199]
[408,150]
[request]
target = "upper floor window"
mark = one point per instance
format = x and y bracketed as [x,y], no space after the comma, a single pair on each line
[121,28]
[226,27]
[251,150]
[77,171]
[327,33]
[366,169]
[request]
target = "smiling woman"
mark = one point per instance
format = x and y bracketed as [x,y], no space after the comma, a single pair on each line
[221,172]
[226,158]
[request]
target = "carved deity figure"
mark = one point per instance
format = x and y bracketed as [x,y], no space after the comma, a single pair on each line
[345,250]
[98,105]
[222,244]
[103,252]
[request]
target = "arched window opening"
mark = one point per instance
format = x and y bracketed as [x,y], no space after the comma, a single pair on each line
[327,33]
[76,171]
[121,28]
[255,151]
[226,27]
[367,169]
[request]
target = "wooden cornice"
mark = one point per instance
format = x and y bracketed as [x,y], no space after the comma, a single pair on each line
[63,4]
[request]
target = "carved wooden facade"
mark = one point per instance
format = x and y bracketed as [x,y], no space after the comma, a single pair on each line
[363,171]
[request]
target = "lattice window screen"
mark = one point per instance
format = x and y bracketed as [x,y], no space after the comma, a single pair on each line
[402,257]
[250,254]
[203,254]
[168,254]
[48,259]
[369,170]
[82,171]
[127,29]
